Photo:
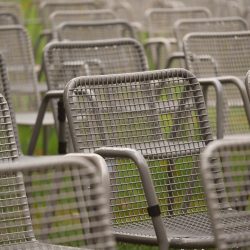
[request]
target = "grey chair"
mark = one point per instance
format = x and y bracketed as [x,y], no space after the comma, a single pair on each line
[59,17]
[47,8]
[15,47]
[7,18]
[150,121]
[184,26]
[14,10]
[160,23]
[225,171]
[66,60]
[92,207]
[222,60]
[95,30]
[5,91]
[66,200]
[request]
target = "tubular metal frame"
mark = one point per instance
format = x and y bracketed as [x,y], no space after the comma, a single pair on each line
[107,57]
[135,121]
[225,172]
[223,58]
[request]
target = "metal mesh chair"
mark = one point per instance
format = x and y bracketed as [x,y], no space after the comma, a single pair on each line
[184,26]
[162,115]
[48,7]
[15,47]
[9,149]
[222,57]
[67,204]
[160,23]
[7,18]
[96,30]
[66,60]
[59,17]
[225,170]
[81,201]
[14,12]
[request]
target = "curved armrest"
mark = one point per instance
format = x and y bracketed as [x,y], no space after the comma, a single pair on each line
[147,183]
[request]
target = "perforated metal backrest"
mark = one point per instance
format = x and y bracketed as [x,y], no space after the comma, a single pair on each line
[159,113]
[185,26]
[48,7]
[15,47]
[14,9]
[59,17]
[209,4]
[16,226]
[66,60]
[5,91]
[96,30]
[222,54]
[225,170]
[227,53]
[160,22]
[8,146]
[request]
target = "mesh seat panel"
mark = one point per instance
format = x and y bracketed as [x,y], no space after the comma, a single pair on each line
[161,114]
[225,170]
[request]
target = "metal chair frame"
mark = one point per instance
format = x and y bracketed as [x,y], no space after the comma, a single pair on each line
[185,26]
[160,23]
[48,7]
[217,68]
[141,122]
[225,172]
[81,180]
[107,57]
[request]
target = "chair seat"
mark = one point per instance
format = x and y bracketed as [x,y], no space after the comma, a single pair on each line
[183,231]
[29,118]
[37,246]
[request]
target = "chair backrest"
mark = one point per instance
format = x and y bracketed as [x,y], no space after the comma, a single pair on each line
[160,22]
[67,203]
[161,114]
[14,10]
[8,146]
[209,4]
[96,30]
[16,49]
[7,18]
[5,91]
[48,7]
[184,26]
[225,171]
[59,17]
[66,60]
[222,54]
[227,51]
